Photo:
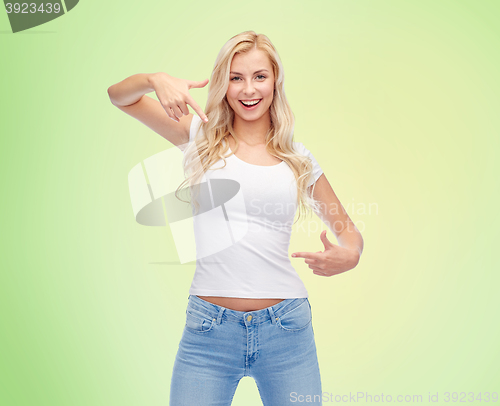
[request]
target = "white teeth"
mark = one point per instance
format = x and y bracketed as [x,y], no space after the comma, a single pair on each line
[252,103]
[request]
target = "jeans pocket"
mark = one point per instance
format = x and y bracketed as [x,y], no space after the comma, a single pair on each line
[296,319]
[198,321]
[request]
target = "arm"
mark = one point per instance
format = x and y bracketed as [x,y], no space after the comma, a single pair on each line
[130,90]
[167,116]
[332,213]
[336,258]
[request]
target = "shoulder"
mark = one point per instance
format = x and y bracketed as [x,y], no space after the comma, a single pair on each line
[298,146]
[301,149]
[195,125]
[316,168]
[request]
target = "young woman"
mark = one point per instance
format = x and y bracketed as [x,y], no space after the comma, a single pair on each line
[248,312]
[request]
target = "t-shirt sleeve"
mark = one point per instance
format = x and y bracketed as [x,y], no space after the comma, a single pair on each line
[316,171]
[193,128]
[195,123]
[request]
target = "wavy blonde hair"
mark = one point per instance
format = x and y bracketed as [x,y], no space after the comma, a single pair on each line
[208,148]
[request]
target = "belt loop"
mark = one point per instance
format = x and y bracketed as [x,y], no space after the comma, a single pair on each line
[271,313]
[219,317]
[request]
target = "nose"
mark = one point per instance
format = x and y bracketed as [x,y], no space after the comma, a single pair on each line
[249,88]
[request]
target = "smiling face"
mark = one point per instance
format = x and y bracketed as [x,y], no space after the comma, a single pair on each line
[251,80]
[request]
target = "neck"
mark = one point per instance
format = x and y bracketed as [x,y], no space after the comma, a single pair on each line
[252,132]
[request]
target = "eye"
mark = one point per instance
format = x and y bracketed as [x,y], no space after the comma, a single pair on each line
[261,76]
[236,77]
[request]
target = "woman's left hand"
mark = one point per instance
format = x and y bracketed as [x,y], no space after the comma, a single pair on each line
[332,261]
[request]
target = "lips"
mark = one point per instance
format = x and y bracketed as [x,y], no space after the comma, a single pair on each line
[250,107]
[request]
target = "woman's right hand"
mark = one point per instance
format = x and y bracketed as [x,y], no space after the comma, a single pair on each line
[173,94]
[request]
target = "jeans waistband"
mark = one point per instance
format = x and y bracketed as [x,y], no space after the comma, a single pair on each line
[258,316]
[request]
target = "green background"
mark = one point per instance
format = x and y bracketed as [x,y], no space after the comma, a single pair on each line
[397,100]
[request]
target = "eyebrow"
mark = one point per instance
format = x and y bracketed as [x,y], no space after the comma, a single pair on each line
[260,70]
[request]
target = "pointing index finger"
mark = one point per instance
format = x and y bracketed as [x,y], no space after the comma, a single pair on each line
[307,255]
[197,108]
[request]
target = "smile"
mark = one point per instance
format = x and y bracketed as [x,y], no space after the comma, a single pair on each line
[249,105]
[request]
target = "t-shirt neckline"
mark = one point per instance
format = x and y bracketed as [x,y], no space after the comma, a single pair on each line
[247,163]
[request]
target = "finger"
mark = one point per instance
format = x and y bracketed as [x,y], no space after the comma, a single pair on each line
[202,83]
[177,111]
[197,108]
[316,268]
[308,255]
[184,108]
[167,108]
[170,113]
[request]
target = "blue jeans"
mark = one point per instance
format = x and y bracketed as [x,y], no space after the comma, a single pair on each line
[219,346]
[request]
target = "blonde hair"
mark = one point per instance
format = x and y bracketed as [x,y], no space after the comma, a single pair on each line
[208,149]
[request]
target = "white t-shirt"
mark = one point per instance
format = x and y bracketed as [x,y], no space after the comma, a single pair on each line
[257,263]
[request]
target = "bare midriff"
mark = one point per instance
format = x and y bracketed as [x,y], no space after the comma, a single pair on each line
[241,304]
